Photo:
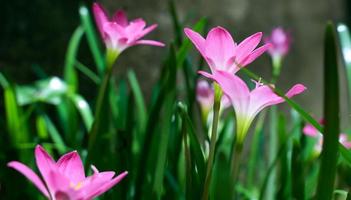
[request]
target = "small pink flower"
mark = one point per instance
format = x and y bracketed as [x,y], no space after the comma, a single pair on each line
[65,179]
[311,131]
[119,34]
[205,96]
[247,104]
[222,53]
[280,40]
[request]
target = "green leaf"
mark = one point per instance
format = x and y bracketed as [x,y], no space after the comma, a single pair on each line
[92,38]
[139,99]
[345,43]
[70,75]
[84,110]
[48,91]
[87,72]
[186,45]
[329,153]
[196,154]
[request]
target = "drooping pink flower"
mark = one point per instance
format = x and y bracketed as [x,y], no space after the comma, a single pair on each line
[311,131]
[65,179]
[247,104]
[222,53]
[119,34]
[280,40]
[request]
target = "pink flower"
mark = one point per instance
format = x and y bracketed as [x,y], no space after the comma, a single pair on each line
[119,34]
[280,40]
[311,131]
[222,53]
[205,96]
[65,179]
[247,104]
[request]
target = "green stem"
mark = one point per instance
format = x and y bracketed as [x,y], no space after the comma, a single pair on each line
[276,64]
[271,189]
[253,159]
[110,59]
[235,165]
[216,107]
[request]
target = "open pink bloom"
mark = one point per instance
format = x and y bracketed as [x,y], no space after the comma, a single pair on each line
[311,131]
[65,179]
[205,96]
[247,104]
[280,40]
[222,53]
[119,34]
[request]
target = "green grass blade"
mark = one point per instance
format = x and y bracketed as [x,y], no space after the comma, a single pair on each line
[87,72]
[84,109]
[186,44]
[92,38]
[345,43]
[139,100]
[70,75]
[329,153]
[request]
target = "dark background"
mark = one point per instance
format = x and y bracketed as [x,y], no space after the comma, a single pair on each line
[34,36]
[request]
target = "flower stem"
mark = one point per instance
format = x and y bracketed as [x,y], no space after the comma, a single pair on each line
[102,95]
[216,108]
[235,165]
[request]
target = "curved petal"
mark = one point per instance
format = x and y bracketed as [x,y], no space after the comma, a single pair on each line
[219,46]
[134,29]
[150,42]
[92,184]
[100,18]
[146,31]
[29,174]
[71,166]
[120,18]
[264,96]
[235,88]
[197,40]
[247,46]
[44,162]
[255,54]
[109,184]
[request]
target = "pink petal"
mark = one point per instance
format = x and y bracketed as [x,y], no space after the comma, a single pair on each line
[100,18]
[295,90]
[150,42]
[110,184]
[344,140]
[114,30]
[247,46]
[120,18]
[44,162]
[219,46]
[197,40]
[71,166]
[92,184]
[134,28]
[29,174]
[310,130]
[235,88]
[264,96]
[146,31]
[60,186]
[255,54]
